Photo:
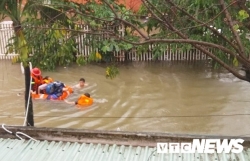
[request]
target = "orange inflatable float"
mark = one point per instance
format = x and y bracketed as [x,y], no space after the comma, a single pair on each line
[66,92]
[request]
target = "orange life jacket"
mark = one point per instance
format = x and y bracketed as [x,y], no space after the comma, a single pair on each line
[38,80]
[84,101]
[47,80]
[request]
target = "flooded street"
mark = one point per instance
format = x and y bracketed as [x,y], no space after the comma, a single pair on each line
[155,97]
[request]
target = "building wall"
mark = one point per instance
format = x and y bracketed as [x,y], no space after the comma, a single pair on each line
[130,4]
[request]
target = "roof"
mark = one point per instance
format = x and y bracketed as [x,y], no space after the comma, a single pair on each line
[13,149]
[133,5]
[97,145]
[108,137]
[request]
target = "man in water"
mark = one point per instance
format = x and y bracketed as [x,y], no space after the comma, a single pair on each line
[80,85]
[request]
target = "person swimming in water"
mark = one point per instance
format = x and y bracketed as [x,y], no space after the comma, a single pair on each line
[81,84]
[83,100]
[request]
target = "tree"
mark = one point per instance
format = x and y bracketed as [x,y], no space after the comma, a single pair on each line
[47,31]
[13,10]
[55,30]
[21,12]
[218,28]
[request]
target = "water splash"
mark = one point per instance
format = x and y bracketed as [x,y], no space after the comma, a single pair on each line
[101,100]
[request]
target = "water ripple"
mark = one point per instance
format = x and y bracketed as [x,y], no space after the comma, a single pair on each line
[144,97]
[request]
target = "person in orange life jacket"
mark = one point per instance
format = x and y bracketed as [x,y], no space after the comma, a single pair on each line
[46,81]
[83,100]
[37,79]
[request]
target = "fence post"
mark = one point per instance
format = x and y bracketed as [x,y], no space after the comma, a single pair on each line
[28,99]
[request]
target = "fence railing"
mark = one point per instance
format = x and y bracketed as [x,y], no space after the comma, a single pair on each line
[6,32]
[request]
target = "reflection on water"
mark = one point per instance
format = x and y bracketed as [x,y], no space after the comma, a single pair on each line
[156,97]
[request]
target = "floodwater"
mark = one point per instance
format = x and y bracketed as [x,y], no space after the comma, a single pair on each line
[149,97]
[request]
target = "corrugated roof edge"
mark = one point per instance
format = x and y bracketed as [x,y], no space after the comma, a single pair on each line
[109,137]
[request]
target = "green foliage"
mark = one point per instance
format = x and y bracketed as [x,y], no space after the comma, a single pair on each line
[142,48]
[159,49]
[13,10]
[235,62]
[106,49]
[111,72]
[50,30]
[112,45]
[152,24]
[95,57]
[81,60]
[50,47]
[242,15]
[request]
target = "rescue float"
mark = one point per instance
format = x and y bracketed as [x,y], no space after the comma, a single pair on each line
[47,89]
[54,91]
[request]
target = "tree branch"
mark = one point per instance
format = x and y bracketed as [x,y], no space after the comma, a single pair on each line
[126,22]
[236,35]
[195,44]
[206,24]
[233,71]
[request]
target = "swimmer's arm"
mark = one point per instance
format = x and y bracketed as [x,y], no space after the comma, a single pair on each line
[42,87]
[68,102]
[38,98]
[78,87]
[75,86]
[65,89]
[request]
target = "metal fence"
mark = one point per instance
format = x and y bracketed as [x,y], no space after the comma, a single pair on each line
[6,32]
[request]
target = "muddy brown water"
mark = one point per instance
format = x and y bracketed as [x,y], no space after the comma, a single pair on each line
[149,97]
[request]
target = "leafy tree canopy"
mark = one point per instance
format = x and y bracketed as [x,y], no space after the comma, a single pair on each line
[218,28]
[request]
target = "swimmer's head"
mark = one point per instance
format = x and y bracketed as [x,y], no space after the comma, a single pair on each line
[81,82]
[87,95]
